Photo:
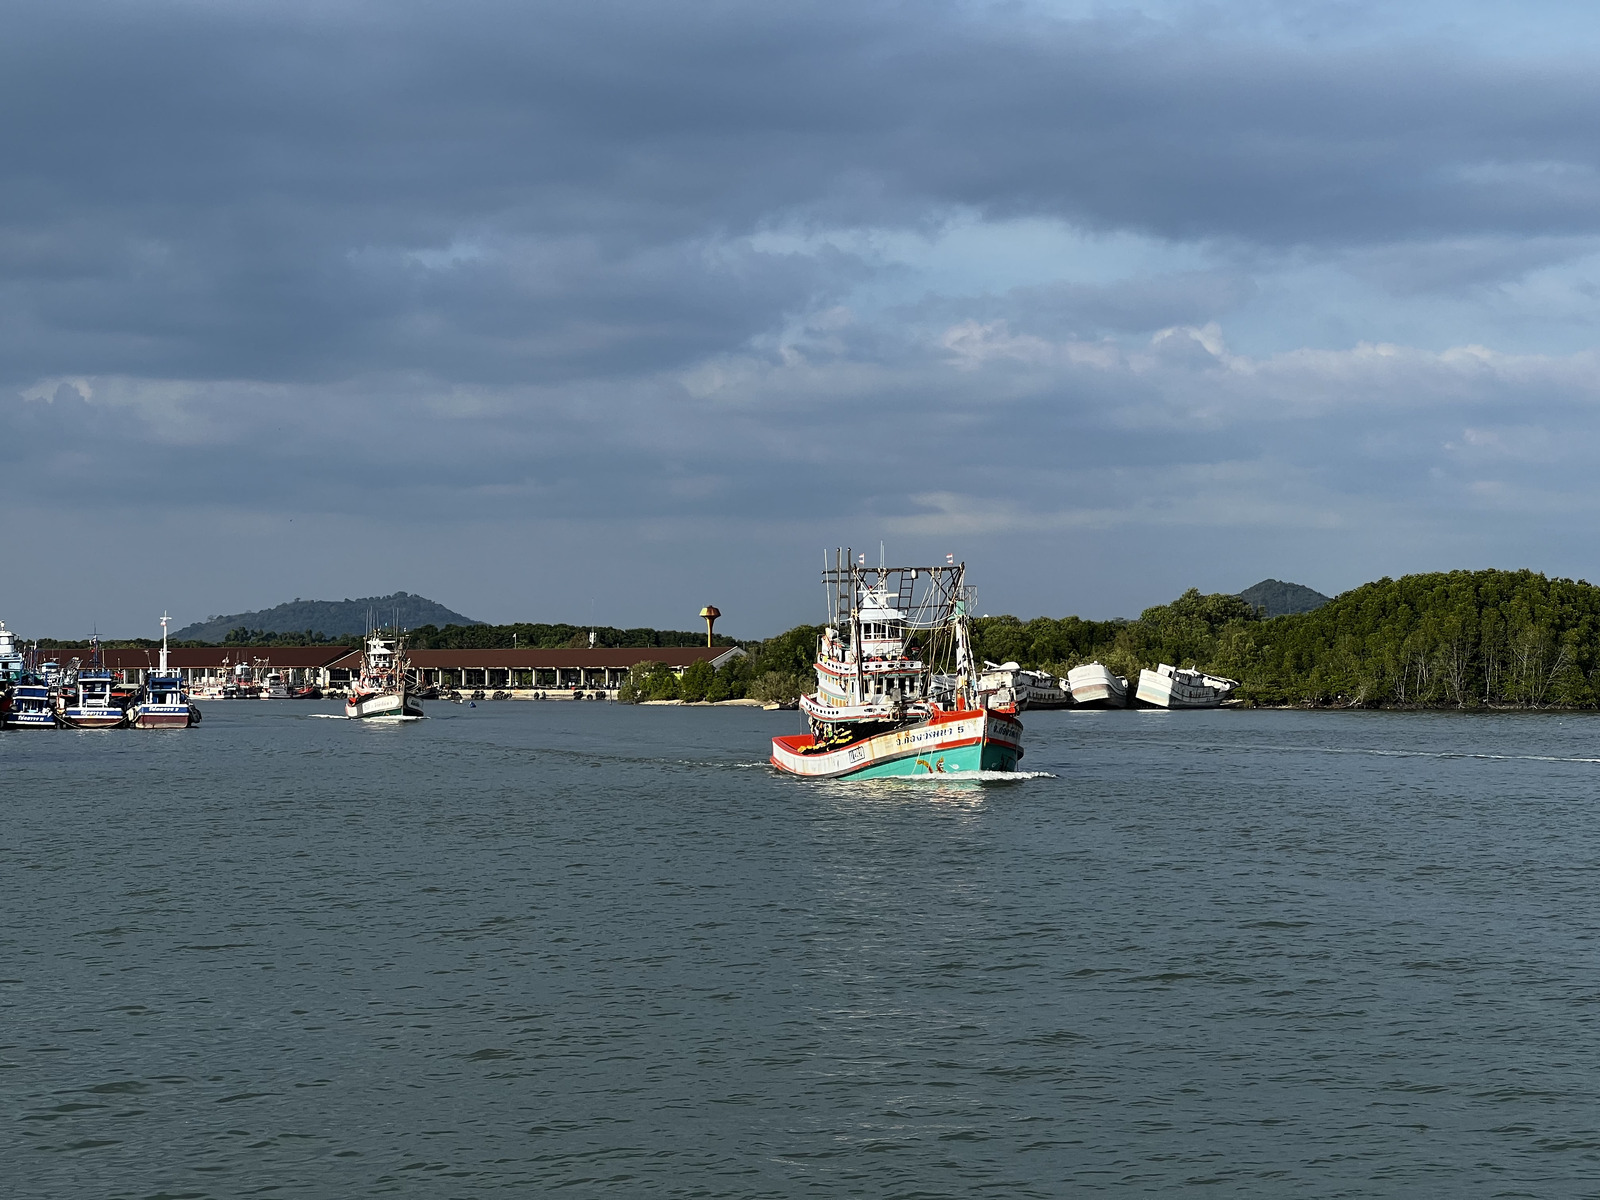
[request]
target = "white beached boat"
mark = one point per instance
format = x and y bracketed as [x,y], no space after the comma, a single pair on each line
[1032,689]
[897,689]
[1094,685]
[1176,687]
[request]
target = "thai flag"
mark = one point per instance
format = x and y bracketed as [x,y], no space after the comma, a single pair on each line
[951,559]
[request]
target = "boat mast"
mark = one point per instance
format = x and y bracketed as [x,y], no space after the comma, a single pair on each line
[164,620]
[964,664]
[855,629]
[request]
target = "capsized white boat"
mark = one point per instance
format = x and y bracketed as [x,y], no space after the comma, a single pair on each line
[1031,689]
[1093,685]
[1177,687]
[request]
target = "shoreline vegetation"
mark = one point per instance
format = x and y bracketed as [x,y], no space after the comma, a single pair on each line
[1457,640]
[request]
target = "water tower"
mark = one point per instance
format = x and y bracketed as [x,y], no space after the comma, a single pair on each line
[710,614]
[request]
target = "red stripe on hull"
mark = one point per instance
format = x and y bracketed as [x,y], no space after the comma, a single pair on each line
[161,721]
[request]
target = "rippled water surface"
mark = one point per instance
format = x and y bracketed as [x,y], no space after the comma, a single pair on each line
[534,946]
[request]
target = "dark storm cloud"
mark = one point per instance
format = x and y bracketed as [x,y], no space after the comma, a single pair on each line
[499,192]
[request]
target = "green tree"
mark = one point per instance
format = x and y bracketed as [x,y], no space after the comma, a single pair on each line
[662,684]
[777,687]
[696,680]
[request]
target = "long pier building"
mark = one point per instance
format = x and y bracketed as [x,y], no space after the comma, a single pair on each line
[523,673]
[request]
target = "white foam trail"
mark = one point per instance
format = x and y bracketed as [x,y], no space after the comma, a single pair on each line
[958,777]
[384,720]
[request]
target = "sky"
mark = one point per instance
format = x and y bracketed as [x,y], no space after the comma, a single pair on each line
[604,311]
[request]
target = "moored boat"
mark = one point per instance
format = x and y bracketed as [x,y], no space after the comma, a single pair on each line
[86,699]
[1094,686]
[383,688]
[1177,687]
[162,703]
[12,668]
[24,696]
[898,692]
[31,706]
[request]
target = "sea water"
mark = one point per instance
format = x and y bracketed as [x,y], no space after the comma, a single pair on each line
[584,949]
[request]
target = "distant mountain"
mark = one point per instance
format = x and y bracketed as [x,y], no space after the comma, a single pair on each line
[331,618]
[1278,599]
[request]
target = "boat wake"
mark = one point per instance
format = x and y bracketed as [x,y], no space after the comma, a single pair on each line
[375,720]
[959,777]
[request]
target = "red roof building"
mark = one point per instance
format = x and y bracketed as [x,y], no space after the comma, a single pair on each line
[600,668]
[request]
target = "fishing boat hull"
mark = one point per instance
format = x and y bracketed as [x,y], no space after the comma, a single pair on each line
[30,719]
[954,744]
[93,718]
[382,704]
[164,716]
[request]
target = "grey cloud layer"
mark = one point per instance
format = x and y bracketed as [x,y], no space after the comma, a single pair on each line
[245,192]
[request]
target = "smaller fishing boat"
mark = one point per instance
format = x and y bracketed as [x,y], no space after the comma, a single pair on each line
[248,681]
[12,664]
[86,700]
[12,669]
[273,687]
[24,695]
[1176,687]
[307,691]
[162,703]
[1094,686]
[31,706]
[383,688]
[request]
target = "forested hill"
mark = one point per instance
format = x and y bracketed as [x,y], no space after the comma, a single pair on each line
[329,618]
[548,637]
[1275,598]
[1458,639]
[1462,638]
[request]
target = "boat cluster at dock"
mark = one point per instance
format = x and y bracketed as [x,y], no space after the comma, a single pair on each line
[38,694]
[42,693]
